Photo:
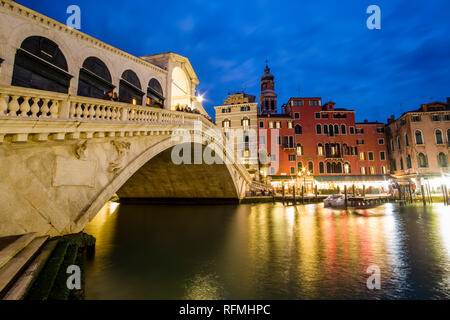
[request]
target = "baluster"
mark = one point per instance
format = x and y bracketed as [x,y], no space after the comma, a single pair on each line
[109,113]
[103,115]
[86,110]
[114,113]
[3,105]
[92,111]
[54,109]
[34,107]
[13,106]
[25,107]
[44,109]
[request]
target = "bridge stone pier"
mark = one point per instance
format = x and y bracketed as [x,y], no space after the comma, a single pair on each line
[66,149]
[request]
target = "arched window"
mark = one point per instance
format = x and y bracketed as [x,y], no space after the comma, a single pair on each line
[336,129]
[298,129]
[419,138]
[422,160]
[399,144]
[318,129]
[226,123]
[320,150]
[442,160]
[330,130]
[40,64]
[448,137]
[439,137]
[155,95]
[406,140]
[338,167]
[130,88]
[325,129]
[245,122]
[299,167]
[321,168]
[299,150]
[311,167]
[408,162]
[272,104]
[347,169]
[329,170]
[343,129]
[95,79]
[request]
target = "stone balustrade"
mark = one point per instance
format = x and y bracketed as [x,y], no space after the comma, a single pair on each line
[24,103]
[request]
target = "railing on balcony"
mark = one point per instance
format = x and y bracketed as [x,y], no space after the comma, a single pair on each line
[25,103]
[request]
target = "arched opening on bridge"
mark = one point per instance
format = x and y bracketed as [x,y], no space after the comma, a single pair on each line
[40,64]
[155,95]
[95,79]
[181,93]
[161,178]
[130,90]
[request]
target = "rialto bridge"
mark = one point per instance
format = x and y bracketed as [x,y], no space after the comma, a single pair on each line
[65,150]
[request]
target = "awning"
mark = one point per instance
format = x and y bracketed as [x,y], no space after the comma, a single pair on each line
[352,178]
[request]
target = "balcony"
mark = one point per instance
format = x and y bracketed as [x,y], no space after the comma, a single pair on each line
[288,146]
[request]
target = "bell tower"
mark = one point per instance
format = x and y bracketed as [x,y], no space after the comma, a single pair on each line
[268,98]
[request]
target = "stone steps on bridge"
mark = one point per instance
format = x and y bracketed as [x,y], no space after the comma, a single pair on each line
[17,256]
[12,246]
[20,288]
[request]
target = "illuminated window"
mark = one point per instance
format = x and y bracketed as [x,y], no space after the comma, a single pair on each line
[226,124]
[299,150]
[320,150]
[362,156]
[271,125]
[134,101]
[383,170]
[289,125]
[245,123]
[347,168]
[278,123]
[363,171]
[372,171]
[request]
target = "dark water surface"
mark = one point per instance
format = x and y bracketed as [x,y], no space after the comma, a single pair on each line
[268,251]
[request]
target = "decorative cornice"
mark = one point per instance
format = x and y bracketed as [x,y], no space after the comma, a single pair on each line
[47,22]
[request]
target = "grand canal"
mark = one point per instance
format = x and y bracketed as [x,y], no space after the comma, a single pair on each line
[268,251]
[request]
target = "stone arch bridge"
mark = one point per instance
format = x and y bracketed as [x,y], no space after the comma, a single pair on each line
[63,157]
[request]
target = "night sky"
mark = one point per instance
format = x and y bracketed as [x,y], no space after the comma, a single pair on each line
[315,48]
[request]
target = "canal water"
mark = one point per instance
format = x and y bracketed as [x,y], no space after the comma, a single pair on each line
[268,251]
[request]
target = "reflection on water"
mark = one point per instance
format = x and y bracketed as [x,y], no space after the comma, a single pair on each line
[268,251]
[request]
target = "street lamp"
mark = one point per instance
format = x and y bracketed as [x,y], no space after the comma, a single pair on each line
[304,174]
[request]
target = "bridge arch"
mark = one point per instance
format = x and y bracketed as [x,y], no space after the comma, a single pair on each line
[227,181]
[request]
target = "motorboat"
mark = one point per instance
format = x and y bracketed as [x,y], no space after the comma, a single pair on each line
[334,201]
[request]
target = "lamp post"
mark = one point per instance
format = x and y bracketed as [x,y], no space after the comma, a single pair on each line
[304,173]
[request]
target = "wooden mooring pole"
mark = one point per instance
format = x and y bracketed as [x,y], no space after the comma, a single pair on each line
[346,197]
[423,195]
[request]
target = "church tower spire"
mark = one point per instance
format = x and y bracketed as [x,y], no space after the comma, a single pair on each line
[268,98]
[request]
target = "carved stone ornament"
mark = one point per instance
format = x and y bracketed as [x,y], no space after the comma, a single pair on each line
[80,150]
[122,149]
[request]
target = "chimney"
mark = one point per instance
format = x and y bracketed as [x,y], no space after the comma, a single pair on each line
[391,119]
[366,121]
